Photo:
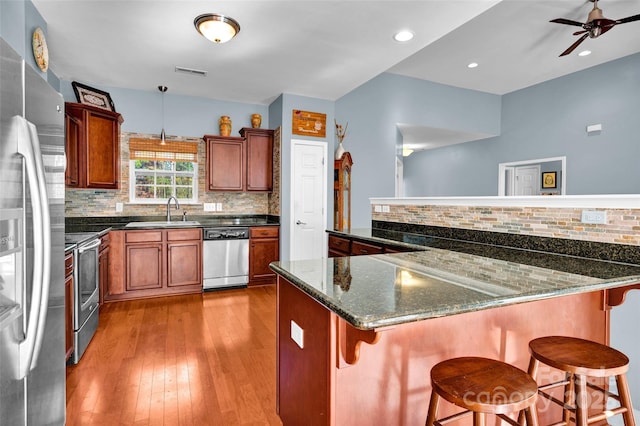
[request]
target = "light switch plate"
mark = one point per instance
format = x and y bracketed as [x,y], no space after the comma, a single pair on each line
[209,207]
[377,208]
[119,207]
[385,209]
[297,334]
[219,207]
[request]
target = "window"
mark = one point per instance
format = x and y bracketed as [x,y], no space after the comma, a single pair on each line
[157,172]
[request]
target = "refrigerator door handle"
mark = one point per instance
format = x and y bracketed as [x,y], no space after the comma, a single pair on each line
[28,146]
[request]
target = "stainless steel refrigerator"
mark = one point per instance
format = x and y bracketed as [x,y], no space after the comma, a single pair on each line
[32,320]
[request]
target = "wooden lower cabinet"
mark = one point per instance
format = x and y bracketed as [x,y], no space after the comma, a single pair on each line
[152,263]
[68,305]
[264,248]
[103,266]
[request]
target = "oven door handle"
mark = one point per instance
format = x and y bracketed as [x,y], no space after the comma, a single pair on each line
[88,247]
[28,146]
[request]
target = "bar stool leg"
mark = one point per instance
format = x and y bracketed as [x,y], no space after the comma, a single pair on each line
[625,400]
[434,404]
[569,397]
[531,414]
[479,419]
[582,400]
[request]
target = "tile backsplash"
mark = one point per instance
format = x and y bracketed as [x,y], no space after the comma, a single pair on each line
[102,202]
[622,227]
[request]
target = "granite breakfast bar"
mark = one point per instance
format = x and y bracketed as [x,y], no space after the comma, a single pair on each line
[357,336]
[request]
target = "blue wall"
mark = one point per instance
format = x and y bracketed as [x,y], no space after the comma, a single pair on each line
[184,115]
[373,111]
[549,120]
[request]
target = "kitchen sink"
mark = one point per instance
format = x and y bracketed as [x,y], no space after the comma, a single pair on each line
[163,224]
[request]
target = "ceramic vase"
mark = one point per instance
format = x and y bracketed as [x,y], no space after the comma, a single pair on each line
[339,151]
[256,121]
[225,125]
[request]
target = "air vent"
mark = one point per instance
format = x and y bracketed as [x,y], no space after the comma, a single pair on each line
[191,71]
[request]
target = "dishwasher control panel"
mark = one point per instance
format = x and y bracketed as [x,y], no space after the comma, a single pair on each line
[231,233]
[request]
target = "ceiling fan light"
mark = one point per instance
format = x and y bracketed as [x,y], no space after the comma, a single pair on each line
[472,65]
[584,53]
[217,28]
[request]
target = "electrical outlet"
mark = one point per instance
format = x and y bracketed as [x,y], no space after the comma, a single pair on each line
[119,207]
[219,207]
[594,217]
[209,207]
[297,334]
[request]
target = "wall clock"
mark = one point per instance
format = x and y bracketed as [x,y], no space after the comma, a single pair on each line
[40,50]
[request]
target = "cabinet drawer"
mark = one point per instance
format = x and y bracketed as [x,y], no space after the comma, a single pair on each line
[143,236]
[264,232]
[359,248]
[68,265]
[184,234]
[339,244]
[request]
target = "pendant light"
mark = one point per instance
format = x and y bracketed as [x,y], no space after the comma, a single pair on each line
[217,28]
[162,90]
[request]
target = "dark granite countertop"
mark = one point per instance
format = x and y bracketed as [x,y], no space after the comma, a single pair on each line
[446,277]
[106,223]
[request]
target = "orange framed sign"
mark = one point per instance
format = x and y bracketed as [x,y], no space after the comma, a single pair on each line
[308,123]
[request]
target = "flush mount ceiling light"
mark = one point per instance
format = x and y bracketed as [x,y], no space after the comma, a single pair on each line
[584,53]
[402,36]
[217,28]
[472,65]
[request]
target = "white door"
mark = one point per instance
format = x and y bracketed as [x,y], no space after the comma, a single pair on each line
[309,197]
[527,180]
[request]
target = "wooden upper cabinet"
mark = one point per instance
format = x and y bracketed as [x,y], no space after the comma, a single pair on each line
[92,147]
[259,158]
[240,164]
[225,163]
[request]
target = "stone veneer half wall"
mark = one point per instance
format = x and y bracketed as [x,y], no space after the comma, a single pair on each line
[622,224]
[102,202]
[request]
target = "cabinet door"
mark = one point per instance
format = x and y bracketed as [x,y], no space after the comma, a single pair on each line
[262,252]
[73,129]
[184,267]
[102,151]
[225,164]
[259,161]
[144,266]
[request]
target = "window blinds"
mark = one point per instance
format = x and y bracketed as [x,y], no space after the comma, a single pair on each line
[150,149]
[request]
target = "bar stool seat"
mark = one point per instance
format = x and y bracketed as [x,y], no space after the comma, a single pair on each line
[482,386]
[580,359]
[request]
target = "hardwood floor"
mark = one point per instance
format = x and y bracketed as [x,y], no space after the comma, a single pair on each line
[206,359]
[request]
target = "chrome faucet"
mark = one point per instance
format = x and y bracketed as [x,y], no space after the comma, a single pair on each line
[169,207]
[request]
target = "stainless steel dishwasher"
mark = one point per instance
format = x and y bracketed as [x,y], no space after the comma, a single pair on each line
[225,257]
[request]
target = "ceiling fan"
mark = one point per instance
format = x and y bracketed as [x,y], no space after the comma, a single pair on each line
[595,26]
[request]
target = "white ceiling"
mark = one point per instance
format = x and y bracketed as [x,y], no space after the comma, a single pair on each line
[324,48]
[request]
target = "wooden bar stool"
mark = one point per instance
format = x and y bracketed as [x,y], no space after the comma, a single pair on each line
[580,359]
[482,386]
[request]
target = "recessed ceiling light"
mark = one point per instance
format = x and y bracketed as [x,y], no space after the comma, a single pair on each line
[402,36]
[584,53]
[472,65]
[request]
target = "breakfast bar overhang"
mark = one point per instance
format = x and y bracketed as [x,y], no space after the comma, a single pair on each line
[357,336]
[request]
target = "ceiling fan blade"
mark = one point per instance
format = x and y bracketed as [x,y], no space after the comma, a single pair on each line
[574,45]
[566,22]
[580,32]
[628,19]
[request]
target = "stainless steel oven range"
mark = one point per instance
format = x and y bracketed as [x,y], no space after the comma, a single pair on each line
[225,257]
[85,290]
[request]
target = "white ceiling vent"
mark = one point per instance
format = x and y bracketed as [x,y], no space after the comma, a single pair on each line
[191,71]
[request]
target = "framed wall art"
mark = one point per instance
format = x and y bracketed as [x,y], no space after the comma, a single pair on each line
[308,123]
[549,180]
[91,96]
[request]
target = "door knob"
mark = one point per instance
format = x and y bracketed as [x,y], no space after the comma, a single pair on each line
[300,223]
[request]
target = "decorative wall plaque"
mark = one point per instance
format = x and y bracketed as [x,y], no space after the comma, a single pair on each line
[309,123]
